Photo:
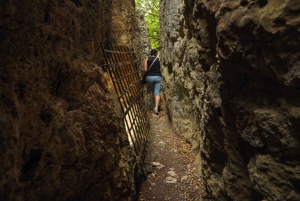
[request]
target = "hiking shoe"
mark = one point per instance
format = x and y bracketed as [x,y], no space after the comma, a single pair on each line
[156,110]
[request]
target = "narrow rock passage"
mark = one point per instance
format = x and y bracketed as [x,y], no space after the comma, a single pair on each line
[172,172]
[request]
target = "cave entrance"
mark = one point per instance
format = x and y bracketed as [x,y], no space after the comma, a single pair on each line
[121,63]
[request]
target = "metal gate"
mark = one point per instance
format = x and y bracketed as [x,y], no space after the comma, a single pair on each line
[121,63]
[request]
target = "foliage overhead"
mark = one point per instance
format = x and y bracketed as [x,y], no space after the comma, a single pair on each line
[151,10]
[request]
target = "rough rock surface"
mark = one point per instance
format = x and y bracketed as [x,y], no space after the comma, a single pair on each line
[130,28]
[232,83]
[143,45]
[124,22]
[143,52]
[60,135]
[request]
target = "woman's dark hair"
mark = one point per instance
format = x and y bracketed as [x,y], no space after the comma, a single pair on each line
[153,52]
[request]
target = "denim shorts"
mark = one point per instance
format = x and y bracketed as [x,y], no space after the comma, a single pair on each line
[155,83]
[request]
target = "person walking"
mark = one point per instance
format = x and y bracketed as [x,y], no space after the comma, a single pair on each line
[152,67]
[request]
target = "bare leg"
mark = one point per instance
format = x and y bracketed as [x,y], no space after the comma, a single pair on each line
[157,99]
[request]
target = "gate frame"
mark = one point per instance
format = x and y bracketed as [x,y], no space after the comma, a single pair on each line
[118,58]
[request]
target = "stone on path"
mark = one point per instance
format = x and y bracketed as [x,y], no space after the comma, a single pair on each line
[171,180]
[157,164]
[173,150]
[184,178]
[172,173]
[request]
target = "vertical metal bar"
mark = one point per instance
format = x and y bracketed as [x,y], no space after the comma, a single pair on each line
[117,87]
[120,57]
[146,124]
[124,73]
[136,124]
[128,119]
[108,60]
[135,110]
[124,84]
[137,77]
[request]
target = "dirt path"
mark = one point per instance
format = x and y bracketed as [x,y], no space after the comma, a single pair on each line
[172,173]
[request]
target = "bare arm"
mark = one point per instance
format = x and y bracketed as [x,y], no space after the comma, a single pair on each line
[145,65]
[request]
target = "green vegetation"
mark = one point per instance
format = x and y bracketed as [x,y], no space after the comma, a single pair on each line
[151,10]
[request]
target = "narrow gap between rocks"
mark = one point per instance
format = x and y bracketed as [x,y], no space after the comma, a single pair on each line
[171,164]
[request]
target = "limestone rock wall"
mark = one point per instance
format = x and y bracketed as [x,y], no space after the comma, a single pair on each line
[231,82]
[143,36]
[143,46]
[124,22]
[143,51]
[61,137]
[130,28]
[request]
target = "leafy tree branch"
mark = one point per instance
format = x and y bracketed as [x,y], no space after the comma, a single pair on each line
[151,10]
